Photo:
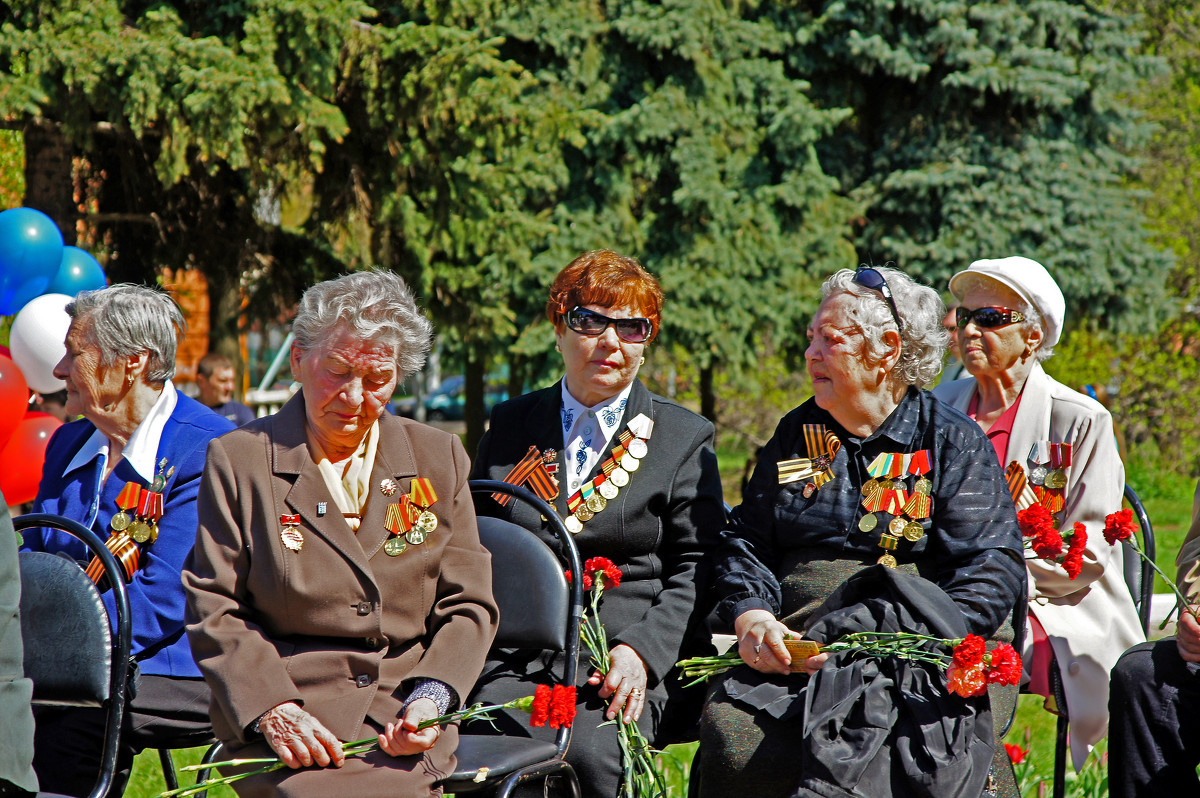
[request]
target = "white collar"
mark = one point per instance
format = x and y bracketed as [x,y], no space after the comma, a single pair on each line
[608,412]
[142,448]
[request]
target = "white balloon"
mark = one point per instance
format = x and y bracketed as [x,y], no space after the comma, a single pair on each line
[37,340]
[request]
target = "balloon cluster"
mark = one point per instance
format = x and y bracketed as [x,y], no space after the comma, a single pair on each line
[39,275]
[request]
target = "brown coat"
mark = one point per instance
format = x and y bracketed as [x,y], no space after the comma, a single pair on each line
[340,626]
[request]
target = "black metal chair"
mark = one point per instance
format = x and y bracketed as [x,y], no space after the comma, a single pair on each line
[71,654]
[1139,577]
[539,610]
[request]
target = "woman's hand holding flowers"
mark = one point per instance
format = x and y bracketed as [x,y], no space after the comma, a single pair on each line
[760,643]
[299,739]
[625,682]
[405,738]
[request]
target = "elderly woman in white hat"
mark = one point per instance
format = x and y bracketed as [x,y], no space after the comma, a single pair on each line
[1061,443]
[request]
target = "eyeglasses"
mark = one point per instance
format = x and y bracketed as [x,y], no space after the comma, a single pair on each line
[589,322]
[869,277]
[987,317]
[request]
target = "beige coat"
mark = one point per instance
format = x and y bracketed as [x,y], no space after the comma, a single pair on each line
[1090,620]
[339,626]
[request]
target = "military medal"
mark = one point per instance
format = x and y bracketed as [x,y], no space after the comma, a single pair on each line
[886,492]
[809,489]
[395,523]
[638,448]
[608,490]
[594,495]
[127,499]
[421,496]
[868,522]
[822,447]
[1037,475]
[290,535]
[387,486]
[1060,461]
[535,470]
[322,507]
[574,525]
[619,477]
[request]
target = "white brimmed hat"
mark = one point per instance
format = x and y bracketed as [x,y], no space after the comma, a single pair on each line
[1032,283]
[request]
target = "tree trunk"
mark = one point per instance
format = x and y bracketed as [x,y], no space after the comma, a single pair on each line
[708,400]
[49,180]
[224,312]
[473,397]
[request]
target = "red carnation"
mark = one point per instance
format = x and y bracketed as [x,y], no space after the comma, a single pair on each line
[970,651]
[603,567]
[539,712]
[1073,562]
[1016,753]
[1033,519]
[1004,665]
[966,681]
[562,706]
[1048,544]
[1118,526]
[587,580]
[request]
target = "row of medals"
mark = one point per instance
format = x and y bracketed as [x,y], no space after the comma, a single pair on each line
[140,530]
[425,525]
[635,450]
[900,526]
[1044,476]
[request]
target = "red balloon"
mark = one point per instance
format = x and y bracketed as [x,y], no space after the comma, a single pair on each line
[14,397]
[22,457]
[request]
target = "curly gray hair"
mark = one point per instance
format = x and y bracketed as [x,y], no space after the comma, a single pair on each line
[923,341]
[1033,318]
[372,305]
[126,319]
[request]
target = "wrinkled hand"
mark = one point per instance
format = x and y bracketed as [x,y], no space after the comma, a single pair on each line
[403,739]
[1187,637]
[299,739]
[625,682]
[760,644]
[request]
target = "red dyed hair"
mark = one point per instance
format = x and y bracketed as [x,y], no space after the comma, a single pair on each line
[605,279]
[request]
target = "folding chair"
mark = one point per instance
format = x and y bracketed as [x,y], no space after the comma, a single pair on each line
[70,652]
[538,610]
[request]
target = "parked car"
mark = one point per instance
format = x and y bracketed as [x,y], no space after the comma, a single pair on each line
[445,403]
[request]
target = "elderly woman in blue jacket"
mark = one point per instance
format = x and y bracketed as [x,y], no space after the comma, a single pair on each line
[129,469]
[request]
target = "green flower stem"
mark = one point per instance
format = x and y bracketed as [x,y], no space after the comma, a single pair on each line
[1179,597]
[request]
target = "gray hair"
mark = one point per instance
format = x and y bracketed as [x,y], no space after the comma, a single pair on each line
[126,319]
[923,341]
[1033,317]
[373,305]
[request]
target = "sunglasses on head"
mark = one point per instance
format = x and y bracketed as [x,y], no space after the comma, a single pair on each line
[589,322]
[987,317]
[869,277]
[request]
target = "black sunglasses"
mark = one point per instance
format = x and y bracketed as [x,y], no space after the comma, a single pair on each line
[869,277]
[589,322]
[987,317]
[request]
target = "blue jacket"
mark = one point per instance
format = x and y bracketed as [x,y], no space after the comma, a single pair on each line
[156,594]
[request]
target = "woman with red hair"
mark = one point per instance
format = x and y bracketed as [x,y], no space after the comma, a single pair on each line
[637,483]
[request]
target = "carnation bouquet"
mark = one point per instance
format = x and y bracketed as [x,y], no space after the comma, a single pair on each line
[1039,531]
[970,667]
[639,779]
[553,706]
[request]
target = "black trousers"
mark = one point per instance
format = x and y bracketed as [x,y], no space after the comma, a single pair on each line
[69,742]
[1154,728]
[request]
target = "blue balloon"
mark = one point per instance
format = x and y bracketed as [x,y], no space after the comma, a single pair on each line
[79,271]
[31,249]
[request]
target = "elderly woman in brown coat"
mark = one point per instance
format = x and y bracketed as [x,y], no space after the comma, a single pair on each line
[338,589]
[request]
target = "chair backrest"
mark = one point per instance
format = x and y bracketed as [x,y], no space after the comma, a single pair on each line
[538,607]
[71,654]
[1139,574]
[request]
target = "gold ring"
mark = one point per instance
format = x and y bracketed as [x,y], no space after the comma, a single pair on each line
[637,691]
[756,659]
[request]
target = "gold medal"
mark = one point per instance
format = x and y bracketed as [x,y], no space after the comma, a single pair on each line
[153,531]
[809,489]
[896,526]
[913,531]
[139,531]
[637,447]
[888,561]
[1056,479]
[608,490]
[923,486]
[395,546]
[416,535]
[427,522]
[574,525]
[292,537]
[584,513]
[596,503]
[619,477]
[868,522]
[119,522]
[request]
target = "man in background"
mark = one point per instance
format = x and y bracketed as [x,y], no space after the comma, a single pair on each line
[215,381]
